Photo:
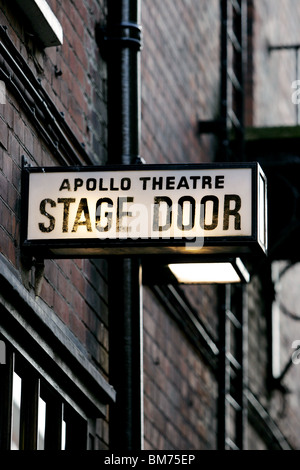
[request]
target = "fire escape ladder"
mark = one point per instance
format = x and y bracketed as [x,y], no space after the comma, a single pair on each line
[229,126]
[233,27]
[233,314]
[232,369]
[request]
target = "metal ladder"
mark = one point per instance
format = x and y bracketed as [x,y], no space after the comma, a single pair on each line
[232,409]
[229,128]
[233,311]
[233,49]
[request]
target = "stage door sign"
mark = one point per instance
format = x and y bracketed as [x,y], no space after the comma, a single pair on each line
[144,209]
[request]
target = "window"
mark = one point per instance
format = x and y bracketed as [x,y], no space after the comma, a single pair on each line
[33,415]
[15,412]
[285,317]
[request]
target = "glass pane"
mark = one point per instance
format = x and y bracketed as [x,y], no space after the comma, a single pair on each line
[16,411]
[63,435]
[41,424]
[63,432]
[2,352]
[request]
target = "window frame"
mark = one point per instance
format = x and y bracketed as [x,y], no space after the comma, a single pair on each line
[57,410]
[31,330]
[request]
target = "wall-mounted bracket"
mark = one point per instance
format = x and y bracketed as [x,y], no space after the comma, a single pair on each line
[125,34]
[211,127]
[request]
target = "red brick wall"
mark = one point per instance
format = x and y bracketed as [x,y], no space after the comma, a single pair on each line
[180,79]
[180,85]
[76,290]
[180,66]
[180,395]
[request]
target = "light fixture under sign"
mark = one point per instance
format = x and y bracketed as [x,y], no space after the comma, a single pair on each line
[212,272]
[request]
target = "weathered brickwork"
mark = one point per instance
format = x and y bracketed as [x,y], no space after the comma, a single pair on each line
[166,130]
[73,75]
[180,390]
[180,70]
[180,81]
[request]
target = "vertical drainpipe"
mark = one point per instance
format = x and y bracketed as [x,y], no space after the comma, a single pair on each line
[123,41]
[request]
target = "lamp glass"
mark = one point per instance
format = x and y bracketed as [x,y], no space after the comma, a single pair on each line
[205,273]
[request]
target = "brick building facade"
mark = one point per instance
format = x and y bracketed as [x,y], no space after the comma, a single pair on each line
[56,314]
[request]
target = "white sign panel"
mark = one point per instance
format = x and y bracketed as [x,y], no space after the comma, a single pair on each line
[141,208]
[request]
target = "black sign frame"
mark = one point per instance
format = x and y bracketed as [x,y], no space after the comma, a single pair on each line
[168,248]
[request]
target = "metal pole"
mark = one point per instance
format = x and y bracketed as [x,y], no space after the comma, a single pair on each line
[124,290]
